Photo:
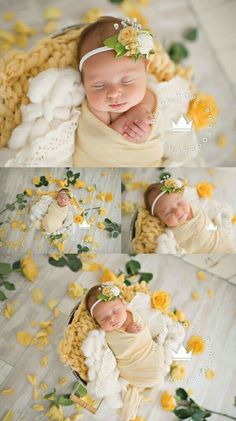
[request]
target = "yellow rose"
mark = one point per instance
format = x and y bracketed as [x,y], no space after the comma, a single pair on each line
[168,402]
[108,197]
[205,189]
[62,183]
[107,291]
[36,180]
[29,268]
[161,300]
[203,110]
[79,184]
[178,372]
[196,344]
[29,192]
[78,219]
[127,35]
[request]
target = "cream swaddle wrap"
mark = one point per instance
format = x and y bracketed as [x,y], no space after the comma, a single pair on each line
[98,145]
[195,237]
[54,217]
[140,361]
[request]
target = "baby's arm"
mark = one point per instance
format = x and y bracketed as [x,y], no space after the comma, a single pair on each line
[135,124]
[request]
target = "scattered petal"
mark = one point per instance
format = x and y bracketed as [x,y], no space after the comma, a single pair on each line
[7,392]
[52,12]
[8,416]
[52,304]
[56,312]
[44,361]
[74,290]
[196,295]
[38,407]
[62,381]
[24,338]
[32,379]
[196,344]
[209,374]
[210,293]
[201,275]
[37,295]
[8,311]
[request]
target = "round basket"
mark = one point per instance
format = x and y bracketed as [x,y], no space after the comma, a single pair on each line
[132,230]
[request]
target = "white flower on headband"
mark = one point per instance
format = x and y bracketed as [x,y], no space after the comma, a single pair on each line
[115,291]
[145,43]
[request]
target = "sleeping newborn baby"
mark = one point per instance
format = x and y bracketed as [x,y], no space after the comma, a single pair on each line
[190,224]
[140,360]
[57,212]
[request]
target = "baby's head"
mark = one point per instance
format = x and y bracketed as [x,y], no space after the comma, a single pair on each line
[106,306]
[63,197]
[113,84]
[169,206]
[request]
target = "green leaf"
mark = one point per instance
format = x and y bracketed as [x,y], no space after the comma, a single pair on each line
[116,1]
[8,285]
[107,220]
[20,196]
[74,263]
[191,34]
[177,52]
[10,207]
[127,282]
[50,396]
[21,206]
[65,400]
[109,229]
[115,234]
[16,265]
[58,263]
[80,390]
[198,416]
[85,249]
[182,394]
[147,277]
[183,413]
[69,173]
[123,188]
[133,267]
[111,41]
[2,296]
[56,237]
[5,268]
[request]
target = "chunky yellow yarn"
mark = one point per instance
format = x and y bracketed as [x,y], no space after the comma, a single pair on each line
[82,324]
[16,67]
[147,230]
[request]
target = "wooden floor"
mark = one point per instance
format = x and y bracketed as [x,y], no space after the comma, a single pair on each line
[212,318]
[16,180]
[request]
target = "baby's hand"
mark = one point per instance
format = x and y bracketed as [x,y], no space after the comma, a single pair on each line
[133,328]
[138,130]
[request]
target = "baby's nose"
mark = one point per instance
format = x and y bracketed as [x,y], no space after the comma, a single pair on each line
[113,92]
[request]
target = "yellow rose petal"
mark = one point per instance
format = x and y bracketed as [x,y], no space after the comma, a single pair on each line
[7,392]
[8,416]
[8,311]
[37,295]
[7,16]
[196,295]
[233,220]
[210,293]
[38,407]
[201,275]
[43,387]
[209,374]
[44,361]
[23,28]
[108,197]
[222,141]
[62,381]
[32,379]
[52,304]
[35,394]
[168,402]
[56,312]
[74,290]
[24,338]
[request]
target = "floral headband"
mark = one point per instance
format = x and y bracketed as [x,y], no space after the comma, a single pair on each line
[108,292]
[168,185]
[131,41]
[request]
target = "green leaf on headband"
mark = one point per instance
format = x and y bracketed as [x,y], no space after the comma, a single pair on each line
[110,41]
[103,297]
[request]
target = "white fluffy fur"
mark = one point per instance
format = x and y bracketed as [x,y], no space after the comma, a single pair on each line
[104,381]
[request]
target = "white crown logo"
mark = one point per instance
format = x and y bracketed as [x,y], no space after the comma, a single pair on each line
[84,224]
[182,125]
[211,227]
[182,354]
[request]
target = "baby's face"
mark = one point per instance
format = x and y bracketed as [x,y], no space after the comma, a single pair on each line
[172,209]
[110,315]
[63,199]
[114,85]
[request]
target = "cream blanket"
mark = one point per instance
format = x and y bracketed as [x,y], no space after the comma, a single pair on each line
[200,235]
[105,381]
[98,145]
[54,217]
